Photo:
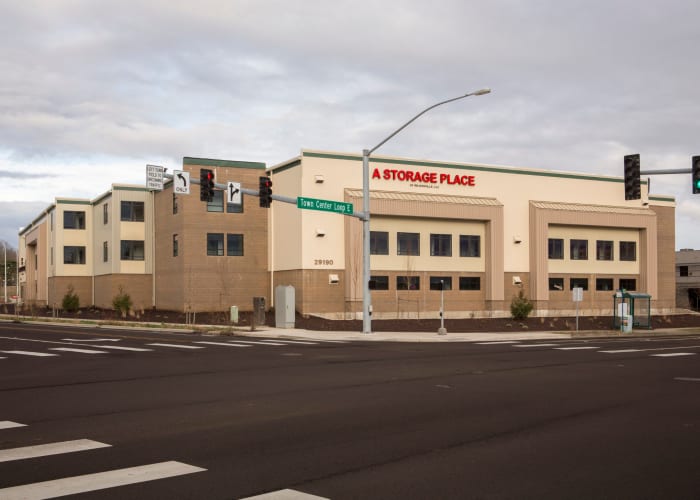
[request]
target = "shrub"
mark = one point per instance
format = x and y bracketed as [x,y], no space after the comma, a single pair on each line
[520,306]
[122,302]
[71,301]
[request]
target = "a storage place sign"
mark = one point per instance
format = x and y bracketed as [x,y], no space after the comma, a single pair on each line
[338,207]
[423,177]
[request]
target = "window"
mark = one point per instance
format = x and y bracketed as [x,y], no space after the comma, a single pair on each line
[217,202]
[174,203]
[603,284]
[629,284]
[379,282]
[603,250]
[628,250]
[556,284]
[469,245]
[105,213]
[378,243]
[408,243]
[683,271]
[132,250]
[132,211]
[579,249]
[234,245]
[578,283]
[73,220]
[176,246]
[8,279]
[437,283]
[469,283]
[74,255]
[235,208]
[215,243]
[408,283]
[556,248]
[51,220]
[105,251]
[441,245]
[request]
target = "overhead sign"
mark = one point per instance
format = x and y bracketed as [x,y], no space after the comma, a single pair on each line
[338,207]
[233,193]
[181,182]
[154,177]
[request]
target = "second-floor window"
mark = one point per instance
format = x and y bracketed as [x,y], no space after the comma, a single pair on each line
[132,250]
[73,219]
[132,211]
[73,255]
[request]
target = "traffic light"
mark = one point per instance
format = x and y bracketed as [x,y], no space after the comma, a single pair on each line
[696,174]
[265,191]
[633,190]
[206,184]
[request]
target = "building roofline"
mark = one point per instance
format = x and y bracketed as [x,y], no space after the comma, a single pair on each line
[210,162]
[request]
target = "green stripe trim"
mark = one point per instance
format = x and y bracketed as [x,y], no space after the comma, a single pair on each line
[501,170]
[209,162]
[73,202]
[671,199]
[286,166]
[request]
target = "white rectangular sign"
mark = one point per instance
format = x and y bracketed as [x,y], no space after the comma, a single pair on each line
[181,182]
[578,294]
[154,177]
[233,193]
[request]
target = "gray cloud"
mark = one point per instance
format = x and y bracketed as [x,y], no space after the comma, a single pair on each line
[94,90]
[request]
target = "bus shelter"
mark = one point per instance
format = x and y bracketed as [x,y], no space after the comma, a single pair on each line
[631,309]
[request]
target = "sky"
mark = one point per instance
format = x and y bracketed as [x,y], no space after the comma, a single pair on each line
[91,91]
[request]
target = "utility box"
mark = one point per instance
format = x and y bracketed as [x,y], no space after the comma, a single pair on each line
[259,311]
[234,314]
[284,306]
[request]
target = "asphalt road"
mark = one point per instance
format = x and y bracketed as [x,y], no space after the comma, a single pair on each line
[181,418]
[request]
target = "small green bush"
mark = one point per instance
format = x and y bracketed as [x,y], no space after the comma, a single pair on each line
[122,302]
[71,301]
[520,306]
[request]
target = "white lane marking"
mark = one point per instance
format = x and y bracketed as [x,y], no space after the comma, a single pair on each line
[227,344]
[285,341]
[180,346]
[575,348]
[257,342]
[285,495]
[93,340]
[43,450]
[617,351]
[497,342]
[98,481]
[687,379]
[672,354]
[120,348]
[535,345]
[8,424]
[71,349]
[30,353]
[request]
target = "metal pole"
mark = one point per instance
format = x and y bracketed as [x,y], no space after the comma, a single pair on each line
[4,244]
[441,330]
[366,299]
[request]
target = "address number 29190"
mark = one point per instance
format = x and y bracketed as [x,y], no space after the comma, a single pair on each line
[323,262]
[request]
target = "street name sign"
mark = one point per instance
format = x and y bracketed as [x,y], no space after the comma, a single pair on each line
[181,182]
[154,177]
[233,193]
[338,207]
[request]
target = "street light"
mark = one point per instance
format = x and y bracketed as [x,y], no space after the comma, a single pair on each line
[4,244]
[366,306]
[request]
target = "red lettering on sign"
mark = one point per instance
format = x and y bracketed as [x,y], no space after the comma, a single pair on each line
[392,174]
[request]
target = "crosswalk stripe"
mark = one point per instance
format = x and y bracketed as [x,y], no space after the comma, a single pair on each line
[617,351]
[98,481]
[180,346]
[285,495]
[672,354]
[43,450]
[71,349]
[227,344]
[8,424]
[535,345]
[575,348]
[297,342]
[30,353]
[92,340]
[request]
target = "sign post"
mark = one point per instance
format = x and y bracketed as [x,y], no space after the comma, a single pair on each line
[577,293]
